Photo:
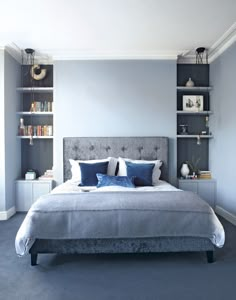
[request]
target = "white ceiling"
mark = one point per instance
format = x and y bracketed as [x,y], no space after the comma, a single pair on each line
[114,28]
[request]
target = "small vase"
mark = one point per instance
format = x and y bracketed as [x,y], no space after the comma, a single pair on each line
[189,83]
[184,170]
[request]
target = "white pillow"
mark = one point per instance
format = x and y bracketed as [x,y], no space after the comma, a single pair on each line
[75,168]
[156,173]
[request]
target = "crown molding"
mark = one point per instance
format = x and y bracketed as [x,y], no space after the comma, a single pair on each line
[112,55]
[184,56]
[223,43]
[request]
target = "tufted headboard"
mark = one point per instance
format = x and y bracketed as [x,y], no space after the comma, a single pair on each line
[84,148]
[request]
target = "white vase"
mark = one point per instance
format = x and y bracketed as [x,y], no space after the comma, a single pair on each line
[189,83]
[184,170]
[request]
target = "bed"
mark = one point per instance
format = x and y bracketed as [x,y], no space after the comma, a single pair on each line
[118,220]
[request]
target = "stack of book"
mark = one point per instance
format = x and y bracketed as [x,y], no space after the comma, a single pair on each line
[205,175]
[41,106]
[48,175]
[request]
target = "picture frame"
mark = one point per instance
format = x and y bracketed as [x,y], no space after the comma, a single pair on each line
[193,103]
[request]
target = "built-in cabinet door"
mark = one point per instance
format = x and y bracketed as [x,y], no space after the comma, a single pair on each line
[41,188]
[23,195]
[206,190]
[189,186]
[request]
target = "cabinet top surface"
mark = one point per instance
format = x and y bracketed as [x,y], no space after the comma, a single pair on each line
[196,180]
[35,180]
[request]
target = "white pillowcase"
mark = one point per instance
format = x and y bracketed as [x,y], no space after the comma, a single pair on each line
[75,168]
[156,173]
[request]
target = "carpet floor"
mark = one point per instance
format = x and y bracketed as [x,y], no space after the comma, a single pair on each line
[134,276]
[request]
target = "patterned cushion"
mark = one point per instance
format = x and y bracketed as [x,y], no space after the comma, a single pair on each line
[105,180]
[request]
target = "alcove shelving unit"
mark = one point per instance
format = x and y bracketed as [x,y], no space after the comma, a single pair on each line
[197,121]
[38,156]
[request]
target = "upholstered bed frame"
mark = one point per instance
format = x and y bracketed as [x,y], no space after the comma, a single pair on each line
[149,148]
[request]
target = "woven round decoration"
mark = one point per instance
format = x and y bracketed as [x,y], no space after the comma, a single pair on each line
[37,72]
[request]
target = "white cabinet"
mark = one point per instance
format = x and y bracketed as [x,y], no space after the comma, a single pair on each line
[28,191]
[206,189]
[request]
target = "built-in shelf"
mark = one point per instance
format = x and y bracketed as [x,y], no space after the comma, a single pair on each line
[194,88]
[190,136]
[183,112]
[35,137]
[27,113]
[35,89]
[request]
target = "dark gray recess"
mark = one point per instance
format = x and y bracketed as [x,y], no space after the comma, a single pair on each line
[38,157]
[187,148]
[198,73]
[27,80]
[196,123]
[26,104]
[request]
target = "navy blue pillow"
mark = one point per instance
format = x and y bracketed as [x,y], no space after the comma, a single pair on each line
[142,173]
[89,171]
[106,180]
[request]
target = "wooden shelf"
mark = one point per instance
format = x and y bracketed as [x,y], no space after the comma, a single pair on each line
[191,136]
[205,112]
[35,89]
[36,113]
[194,88]
[35,137]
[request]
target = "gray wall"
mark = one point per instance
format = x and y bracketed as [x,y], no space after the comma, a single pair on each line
[222,147]
[114,98]
[2,141]
[10,146]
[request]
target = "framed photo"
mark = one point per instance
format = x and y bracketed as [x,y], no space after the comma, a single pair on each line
[193,103]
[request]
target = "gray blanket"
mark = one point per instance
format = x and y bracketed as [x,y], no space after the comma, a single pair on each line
[119,215]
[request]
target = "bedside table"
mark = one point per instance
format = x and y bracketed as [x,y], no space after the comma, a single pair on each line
[205,188]
[28,191]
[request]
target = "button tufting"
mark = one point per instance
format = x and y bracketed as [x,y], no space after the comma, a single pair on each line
[123,148]
[108,148]
[91,148]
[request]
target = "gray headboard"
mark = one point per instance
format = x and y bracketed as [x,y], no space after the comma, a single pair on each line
[84,148]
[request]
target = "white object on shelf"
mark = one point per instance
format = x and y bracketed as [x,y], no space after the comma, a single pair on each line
[34,113]
[189,83]
[35,89]
[35,137]
[28,191]
[184,170]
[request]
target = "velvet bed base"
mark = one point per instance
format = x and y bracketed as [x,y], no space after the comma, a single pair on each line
[134,245]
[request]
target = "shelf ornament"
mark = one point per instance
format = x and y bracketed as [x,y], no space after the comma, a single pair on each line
[37,72]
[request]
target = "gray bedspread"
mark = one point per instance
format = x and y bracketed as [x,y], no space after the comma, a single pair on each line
[119,215]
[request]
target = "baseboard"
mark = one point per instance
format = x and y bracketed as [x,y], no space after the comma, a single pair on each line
[5,215]
[225,214]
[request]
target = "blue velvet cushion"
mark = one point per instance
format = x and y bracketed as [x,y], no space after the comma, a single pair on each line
[106,180]
[89,171]
[142,173]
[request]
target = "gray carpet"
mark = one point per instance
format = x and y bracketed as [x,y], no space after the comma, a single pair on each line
[157,276]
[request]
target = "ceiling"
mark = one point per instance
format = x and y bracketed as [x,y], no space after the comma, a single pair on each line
[114,28]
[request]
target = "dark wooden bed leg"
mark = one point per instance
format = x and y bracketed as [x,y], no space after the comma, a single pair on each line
[34,259]
[210,256]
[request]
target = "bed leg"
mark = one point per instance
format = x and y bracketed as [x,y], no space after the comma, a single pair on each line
[34,259]
[210,256]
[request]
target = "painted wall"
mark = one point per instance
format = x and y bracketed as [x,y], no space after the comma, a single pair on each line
[10,146]
[222,147]
[2,142]
[114,98]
